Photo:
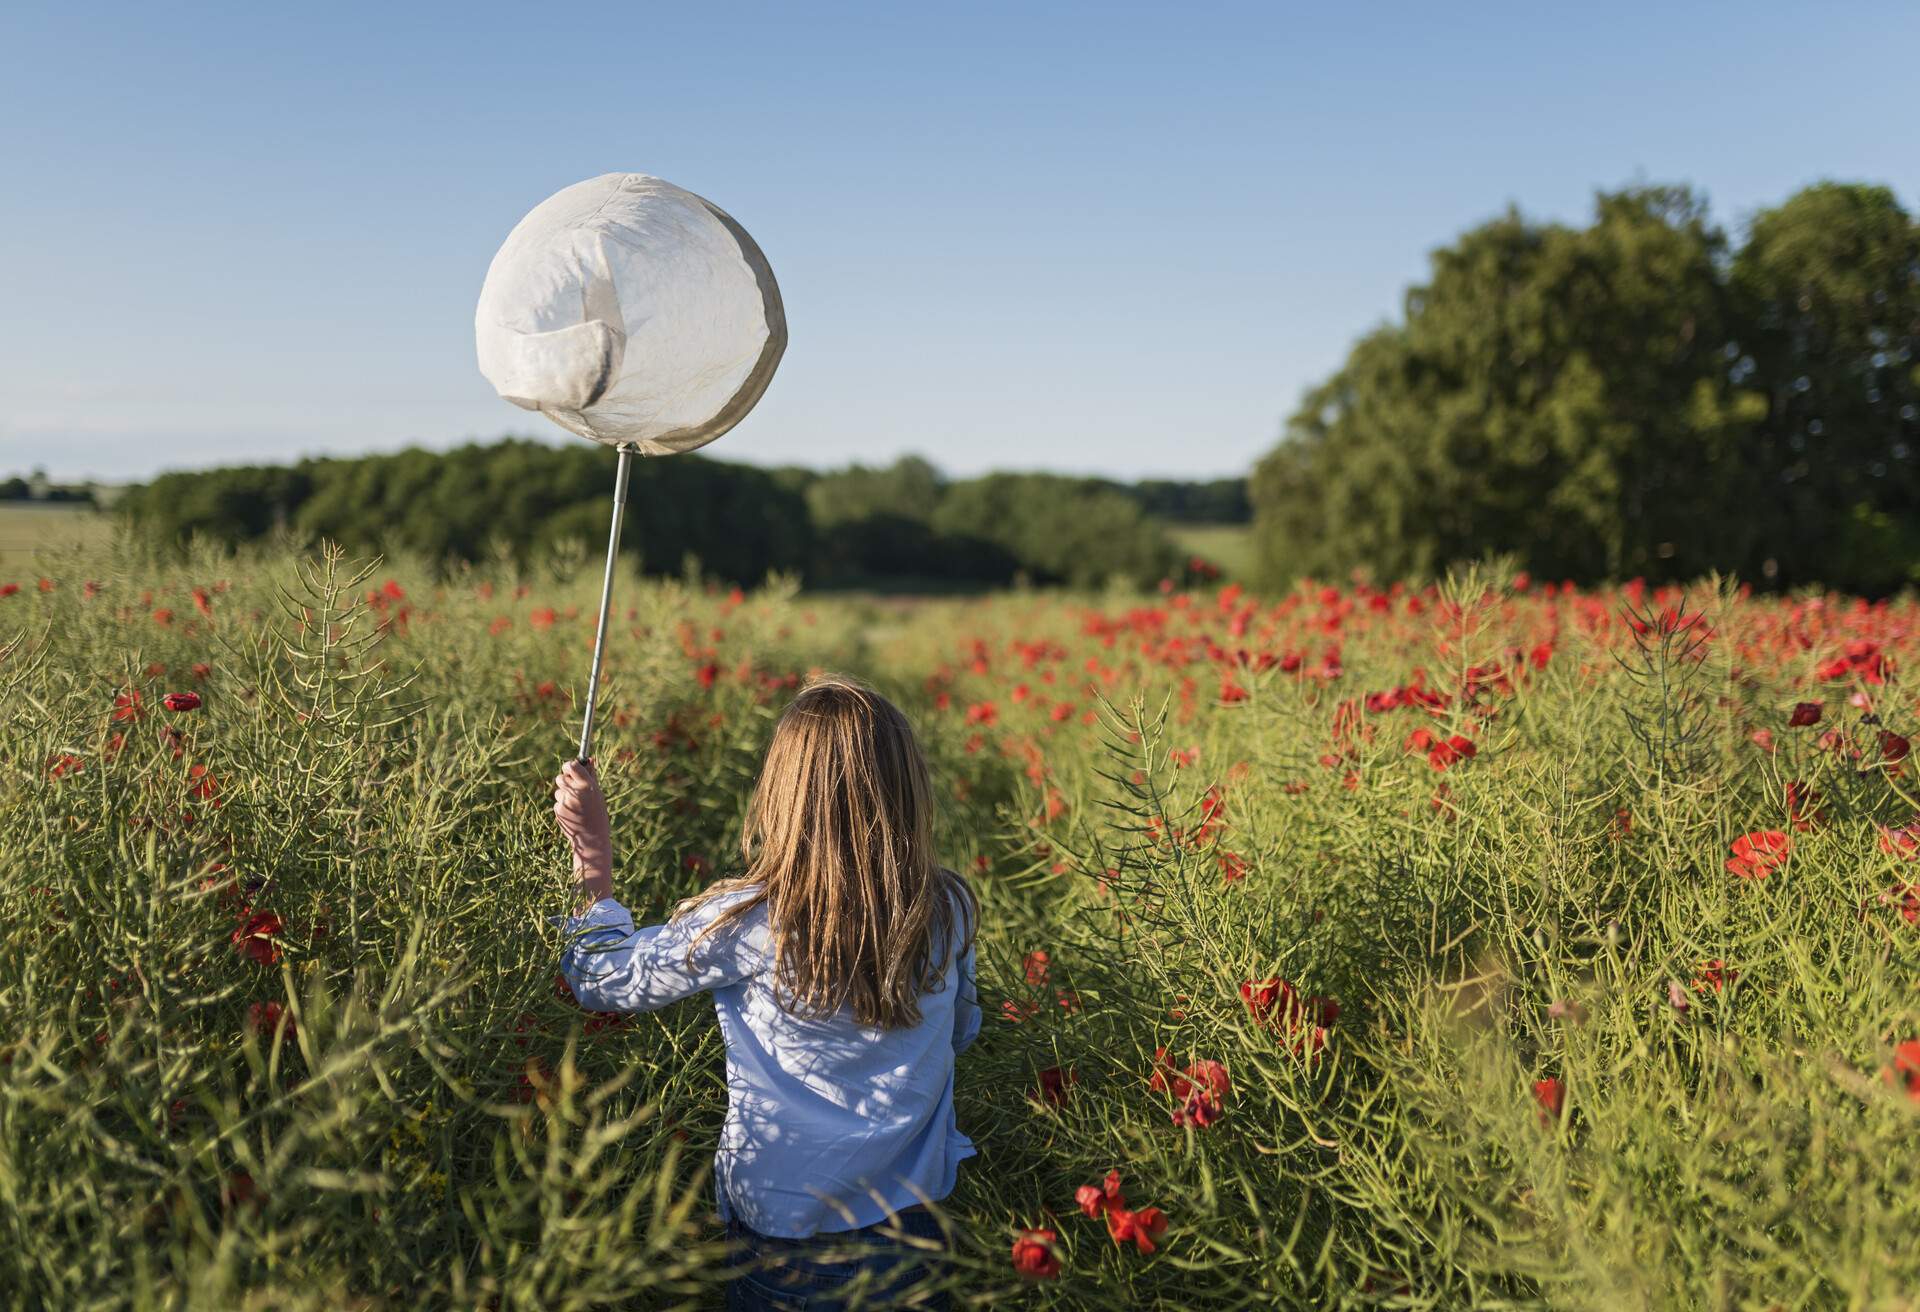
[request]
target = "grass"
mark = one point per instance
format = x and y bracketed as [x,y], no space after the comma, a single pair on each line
[28,529]
[1375,1019]
[1229,547]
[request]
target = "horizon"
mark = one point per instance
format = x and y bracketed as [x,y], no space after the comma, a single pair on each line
[1008,241]
[29,473]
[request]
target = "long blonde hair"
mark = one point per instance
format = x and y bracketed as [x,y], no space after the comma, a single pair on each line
[839,848]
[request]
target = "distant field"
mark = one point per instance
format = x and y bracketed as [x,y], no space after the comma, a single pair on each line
[27,528]
[1230,546]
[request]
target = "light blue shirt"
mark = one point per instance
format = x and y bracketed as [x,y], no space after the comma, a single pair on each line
[830,1124]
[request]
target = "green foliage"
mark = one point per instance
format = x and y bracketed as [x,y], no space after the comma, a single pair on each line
[1627,398]
[888,550]
[909,488]
[1082,531]
[38,487]
[528,497]
[518,497]
[227,506]
[435,1127]
[874,528]
[1218,501]
[528,501]
[1829,289]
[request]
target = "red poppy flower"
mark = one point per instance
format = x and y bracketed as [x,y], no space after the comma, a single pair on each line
[1199,1110]
[1056,1085]
[240,1190]
[253,939]
[8,589]
[127,705]
[1713,975]
[265,1017]
[1804,714]
[1213,807]
[181,701]
[204,786]
[599,1022]
[1906,1067]
[1264,996]
[1158,1080]
[1096,1199]
[1550,1094]
[1758,853]
[1903,842]
[1201,1090]
[543,618]
[1033,1255]
[1905,899]
[1894,749]
[1140,1228]
[1803,806]
[1861,657]
[1301,1023]
[1455,749]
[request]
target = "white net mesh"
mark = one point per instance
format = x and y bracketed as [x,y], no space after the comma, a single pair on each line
[628,310]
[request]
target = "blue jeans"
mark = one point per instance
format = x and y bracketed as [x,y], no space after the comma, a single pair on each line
[824,1273]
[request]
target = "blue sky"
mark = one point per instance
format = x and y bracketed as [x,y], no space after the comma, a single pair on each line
[1116,239]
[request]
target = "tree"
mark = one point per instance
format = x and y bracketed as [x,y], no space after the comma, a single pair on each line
[1217,501]
[1074,530]
[909,487]
[226,506]
[1558,393]
[898,550]
[526,496]
[1829,293]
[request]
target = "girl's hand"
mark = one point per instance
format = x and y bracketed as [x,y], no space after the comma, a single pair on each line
[582,812]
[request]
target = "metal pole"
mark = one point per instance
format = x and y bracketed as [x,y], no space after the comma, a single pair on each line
[606,597]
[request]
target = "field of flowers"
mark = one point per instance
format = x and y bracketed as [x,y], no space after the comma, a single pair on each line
[1493,944]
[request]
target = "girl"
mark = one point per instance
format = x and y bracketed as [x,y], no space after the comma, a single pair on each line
[841,965]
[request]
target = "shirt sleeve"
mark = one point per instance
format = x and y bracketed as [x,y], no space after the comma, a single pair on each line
[611,966]
[966,1006]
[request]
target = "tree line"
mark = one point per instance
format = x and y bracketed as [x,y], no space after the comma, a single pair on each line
[898,526]
[1639,396]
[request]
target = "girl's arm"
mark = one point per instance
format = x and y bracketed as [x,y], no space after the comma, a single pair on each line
[612,966]
[581,809]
